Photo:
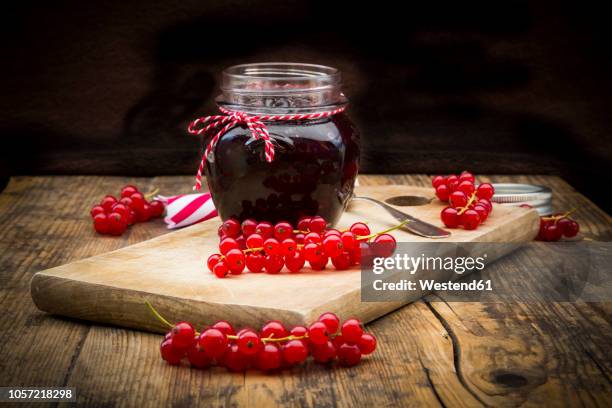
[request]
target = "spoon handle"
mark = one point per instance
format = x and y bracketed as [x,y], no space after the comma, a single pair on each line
[415,225]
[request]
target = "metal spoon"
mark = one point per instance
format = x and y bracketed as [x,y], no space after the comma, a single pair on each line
[415,225]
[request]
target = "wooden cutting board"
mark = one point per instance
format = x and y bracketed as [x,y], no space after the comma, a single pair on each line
[170,272]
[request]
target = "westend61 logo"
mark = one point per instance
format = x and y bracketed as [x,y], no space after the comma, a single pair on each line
[412,264]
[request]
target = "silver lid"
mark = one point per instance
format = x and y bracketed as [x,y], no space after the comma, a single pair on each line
[512,194]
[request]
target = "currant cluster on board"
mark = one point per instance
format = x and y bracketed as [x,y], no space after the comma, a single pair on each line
[266,247]
[272,348]
[469,204]
[557,226]
[113,216]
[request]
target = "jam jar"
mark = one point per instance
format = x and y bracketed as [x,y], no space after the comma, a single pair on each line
[315,161]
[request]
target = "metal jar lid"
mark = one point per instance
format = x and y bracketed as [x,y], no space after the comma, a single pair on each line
[512,194]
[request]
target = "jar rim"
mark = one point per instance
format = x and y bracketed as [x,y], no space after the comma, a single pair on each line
[281,87]
[281,71]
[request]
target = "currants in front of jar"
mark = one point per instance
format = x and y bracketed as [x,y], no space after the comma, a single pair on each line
[313,171]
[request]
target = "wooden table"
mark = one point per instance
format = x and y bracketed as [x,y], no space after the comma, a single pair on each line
[431,353]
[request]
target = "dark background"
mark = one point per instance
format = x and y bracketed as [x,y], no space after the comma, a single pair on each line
[494,87]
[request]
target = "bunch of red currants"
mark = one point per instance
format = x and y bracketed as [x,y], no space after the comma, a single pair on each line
[557,226]
[113,216]
[274,347]
[262,246]
[470,205]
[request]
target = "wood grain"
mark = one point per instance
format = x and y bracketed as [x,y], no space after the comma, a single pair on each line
[431,353]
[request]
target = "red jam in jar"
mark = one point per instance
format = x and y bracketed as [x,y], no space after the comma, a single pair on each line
[315,161]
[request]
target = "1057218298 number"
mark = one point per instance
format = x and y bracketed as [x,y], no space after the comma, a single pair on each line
[37,394]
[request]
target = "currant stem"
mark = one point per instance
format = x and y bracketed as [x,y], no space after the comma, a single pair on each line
[470,201]
[157,315]
[151,194]
[556,218]
[366,237]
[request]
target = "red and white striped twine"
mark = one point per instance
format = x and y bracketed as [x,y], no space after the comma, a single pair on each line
[255,124]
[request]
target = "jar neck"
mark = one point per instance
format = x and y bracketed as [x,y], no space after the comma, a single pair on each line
[281,88]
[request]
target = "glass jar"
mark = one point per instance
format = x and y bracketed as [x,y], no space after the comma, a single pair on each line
[315,162]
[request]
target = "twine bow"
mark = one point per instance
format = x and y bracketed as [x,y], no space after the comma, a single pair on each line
[256,125]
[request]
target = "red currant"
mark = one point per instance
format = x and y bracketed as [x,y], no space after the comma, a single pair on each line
[197,357]
[352,330]
[571,229]
[452,182]
[294,352]
[235,261]
[265,229]
[231,227]
[225,327]
[349,354]
[212,261]
[249,343]
[312,238]
[466,176]
[442,192]
[485,190]
[317,224]
[101,224]
[283,230]
[438,180]
[183,335]
[108,202]
[234,360]
[274,264]
[333,245]
[482,212]
[342,261]
[331,232]
[255,241]
[304,224]
[385,245]
[295,261]
[255,262]
[269,358]
[319,264]
[348,240]
[97,209]
[273,247]
[360,229]
[331,321]
[248,227]
[227,244]
[467,187]
[288,247]
[214,342]
[317,333]
[156,208]
[324,353]
[552,233]
[450,217]
[485,203]
[367,343]
[116,224]
[171,354]
[122,210]
[299,238]
[469,219]
[138,202]
[458,199]
[220,269]
[274,329]
[312,252]
[128,190]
